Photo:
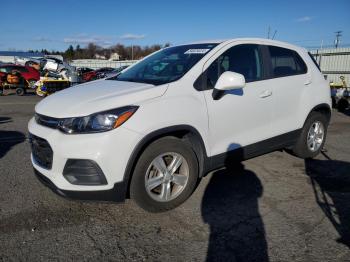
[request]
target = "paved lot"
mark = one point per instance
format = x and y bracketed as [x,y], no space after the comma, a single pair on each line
[272,208]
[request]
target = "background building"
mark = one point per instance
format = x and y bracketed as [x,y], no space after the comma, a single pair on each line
[334,62]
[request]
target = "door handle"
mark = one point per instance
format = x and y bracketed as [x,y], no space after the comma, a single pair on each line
[307,82]
[266,93]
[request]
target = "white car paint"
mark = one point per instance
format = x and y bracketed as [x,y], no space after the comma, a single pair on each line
[261,110]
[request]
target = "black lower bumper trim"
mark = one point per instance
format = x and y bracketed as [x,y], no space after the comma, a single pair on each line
[116,194]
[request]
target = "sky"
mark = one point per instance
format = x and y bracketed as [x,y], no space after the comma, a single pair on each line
[56,24]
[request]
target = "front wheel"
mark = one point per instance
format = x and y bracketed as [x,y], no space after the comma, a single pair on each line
[165,175]
[312,137]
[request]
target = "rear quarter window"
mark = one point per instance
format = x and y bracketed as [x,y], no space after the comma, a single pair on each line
[286,62]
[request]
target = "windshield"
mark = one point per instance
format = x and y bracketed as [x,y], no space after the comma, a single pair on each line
[165,66]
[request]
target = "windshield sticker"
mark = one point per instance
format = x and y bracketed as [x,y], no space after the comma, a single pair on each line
[196,51]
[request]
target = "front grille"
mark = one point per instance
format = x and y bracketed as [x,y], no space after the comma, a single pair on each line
[47,121]
[42,151]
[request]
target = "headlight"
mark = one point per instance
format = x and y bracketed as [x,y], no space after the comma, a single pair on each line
[99,122]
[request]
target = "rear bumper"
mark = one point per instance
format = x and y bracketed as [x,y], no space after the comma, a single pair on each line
[116,194]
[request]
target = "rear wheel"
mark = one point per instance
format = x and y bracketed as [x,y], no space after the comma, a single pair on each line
[312,137]
[165,175]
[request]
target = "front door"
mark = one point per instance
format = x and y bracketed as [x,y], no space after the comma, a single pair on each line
[240,117]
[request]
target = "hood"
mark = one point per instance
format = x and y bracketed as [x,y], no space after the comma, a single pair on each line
[96,96]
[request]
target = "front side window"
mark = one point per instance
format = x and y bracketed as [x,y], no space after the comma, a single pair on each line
[242,59]
[165,66]
[286,62]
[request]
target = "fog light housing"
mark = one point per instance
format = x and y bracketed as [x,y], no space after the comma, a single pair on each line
[83,172]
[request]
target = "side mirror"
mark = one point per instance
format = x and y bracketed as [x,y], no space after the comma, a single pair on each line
[228,81]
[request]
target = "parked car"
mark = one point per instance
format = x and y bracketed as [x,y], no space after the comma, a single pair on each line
[154,130]
[28,73]
[47,63]
[54,64]
[96,74]
[340,94]
[13,81]
[83,70]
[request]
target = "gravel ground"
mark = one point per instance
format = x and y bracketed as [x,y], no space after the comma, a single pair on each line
[272,208]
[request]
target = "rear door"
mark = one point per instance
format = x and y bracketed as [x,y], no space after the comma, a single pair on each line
[289,79]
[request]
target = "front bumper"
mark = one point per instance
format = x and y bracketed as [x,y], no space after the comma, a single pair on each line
[116,194]
[110,150]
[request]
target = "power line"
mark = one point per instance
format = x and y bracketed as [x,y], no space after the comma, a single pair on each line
[274,34]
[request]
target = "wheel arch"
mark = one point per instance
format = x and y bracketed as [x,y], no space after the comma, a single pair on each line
[324,109]
[187,133]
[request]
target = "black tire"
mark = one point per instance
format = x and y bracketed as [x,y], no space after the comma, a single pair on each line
[334,102]
[138,190]
[20,91]
[301,148]
[342,105]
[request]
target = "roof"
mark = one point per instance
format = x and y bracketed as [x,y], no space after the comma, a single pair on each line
[255,40]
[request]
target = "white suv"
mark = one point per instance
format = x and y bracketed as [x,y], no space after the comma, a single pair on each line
[155,129]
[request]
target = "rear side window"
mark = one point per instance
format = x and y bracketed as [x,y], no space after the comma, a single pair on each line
[286,62]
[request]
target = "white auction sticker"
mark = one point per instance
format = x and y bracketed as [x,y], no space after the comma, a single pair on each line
[196,51]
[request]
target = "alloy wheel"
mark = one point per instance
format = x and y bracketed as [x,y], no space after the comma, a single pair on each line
[315,136]
[166,176]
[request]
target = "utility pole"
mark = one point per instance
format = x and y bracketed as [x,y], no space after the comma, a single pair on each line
[337,38]
[132,52]
[268,33]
